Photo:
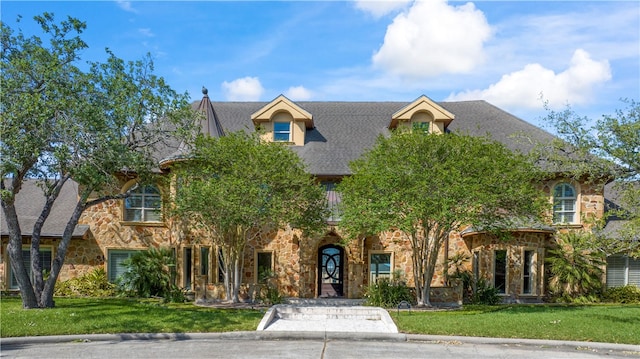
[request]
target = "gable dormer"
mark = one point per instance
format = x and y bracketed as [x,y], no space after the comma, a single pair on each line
[422,114]
[283,121]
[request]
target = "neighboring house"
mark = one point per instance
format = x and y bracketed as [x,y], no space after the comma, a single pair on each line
[327,136]
[621,269]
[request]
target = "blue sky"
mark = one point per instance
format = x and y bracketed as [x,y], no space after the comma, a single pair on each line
[586,54]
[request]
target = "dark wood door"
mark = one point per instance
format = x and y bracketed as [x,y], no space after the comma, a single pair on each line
[330,271]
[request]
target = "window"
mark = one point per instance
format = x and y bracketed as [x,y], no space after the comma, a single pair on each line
[282,131]
[143,205]
[115,269]
[528,272]
[333,201]
[421,127]
[264,266]
[622,270]
[186,268]
[221,268]
[564,203]
[500,271]
[204,261]
[46,258]
[379,266]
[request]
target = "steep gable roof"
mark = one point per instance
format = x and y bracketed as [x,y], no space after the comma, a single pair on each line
[29,203]
[344,130]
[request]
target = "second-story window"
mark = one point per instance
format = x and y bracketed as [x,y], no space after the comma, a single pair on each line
[564,203]
[282,131]
[143,205]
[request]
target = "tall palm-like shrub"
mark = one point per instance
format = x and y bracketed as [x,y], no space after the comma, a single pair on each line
[575,267]
[150,273]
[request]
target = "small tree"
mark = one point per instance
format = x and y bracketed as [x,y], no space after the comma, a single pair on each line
[601,151]
[233,187]
[59,123]
[150,273]
[427,185]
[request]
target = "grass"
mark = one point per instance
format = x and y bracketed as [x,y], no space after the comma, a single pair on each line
[597,323]
[114,315]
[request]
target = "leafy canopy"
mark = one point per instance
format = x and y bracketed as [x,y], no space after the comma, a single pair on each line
[445,181]
[237,180]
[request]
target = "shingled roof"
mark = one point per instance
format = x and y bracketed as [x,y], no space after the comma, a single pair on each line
[29,203]
[344,130]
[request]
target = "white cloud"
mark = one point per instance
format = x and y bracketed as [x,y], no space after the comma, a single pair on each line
[380,8]
[299,93]
[243,89]
[146,32]
[126,6]
[523,88]
[433,38]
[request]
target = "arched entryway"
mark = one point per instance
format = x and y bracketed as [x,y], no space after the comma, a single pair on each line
[330,271]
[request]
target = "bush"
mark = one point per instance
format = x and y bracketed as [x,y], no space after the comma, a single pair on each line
[626,294]
[150,274]
[388,293]
[92,284]
[485,293]
[576,269]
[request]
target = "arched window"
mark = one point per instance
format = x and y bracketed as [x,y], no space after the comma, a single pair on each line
[143,205]
[564,203]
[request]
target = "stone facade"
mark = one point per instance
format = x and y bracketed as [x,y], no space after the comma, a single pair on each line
[295,257]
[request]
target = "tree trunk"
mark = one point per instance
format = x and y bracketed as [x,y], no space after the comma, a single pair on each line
[14,247]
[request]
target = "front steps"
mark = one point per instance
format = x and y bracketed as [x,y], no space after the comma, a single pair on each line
[319,316]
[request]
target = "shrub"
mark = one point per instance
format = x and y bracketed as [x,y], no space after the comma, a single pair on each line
[149,274]
[576,269]
[92,284]
[269,293]
[388,293]
[626,294]
[485,293]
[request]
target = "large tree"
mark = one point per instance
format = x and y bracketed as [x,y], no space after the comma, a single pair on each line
[602,150]
[61,123]
[428,185]
[233,188]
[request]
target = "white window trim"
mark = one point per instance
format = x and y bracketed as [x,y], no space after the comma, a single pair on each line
[576,205]
[289,132]
[391,263]
[131,185]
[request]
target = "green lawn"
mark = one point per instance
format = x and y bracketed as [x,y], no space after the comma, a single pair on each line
[598,323]
[99,316]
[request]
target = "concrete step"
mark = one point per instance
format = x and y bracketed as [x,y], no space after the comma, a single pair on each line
[287,317]
[329,302]
[290,312]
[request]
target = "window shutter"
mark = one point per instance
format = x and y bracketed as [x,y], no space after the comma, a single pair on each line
[634,271]
[616,268]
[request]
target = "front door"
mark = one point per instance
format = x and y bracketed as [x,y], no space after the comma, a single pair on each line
[330,271]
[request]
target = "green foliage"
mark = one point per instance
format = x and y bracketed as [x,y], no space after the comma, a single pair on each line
[575,268]
[625,294]
[60,123]
[150,274]
[485,293]
[388,293]
[599,151]
[92,284]
[427,185]
[233,187]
